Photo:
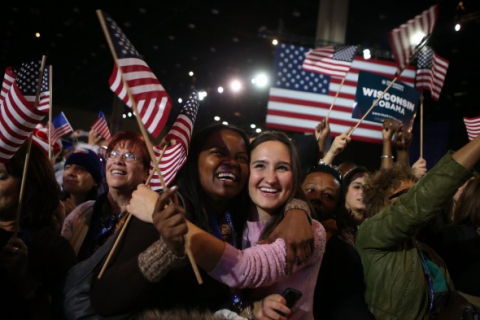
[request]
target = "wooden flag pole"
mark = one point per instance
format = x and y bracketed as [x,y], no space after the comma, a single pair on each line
[50,157]
[27,157]
[130,97]
[421,125]
[159,158]
[147,142]
[335,98]
[397,75]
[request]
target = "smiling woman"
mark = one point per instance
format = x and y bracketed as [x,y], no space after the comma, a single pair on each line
[93,222]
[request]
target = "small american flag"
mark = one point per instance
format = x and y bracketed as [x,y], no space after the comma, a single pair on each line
[431,72]
[100,126]
[176,155]
[40,138]
[334,61]
[153,102]
[401,38]
[7,83]
[60,127]
[18,114]
[473,126]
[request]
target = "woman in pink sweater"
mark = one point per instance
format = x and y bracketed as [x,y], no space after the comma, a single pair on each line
[273,188]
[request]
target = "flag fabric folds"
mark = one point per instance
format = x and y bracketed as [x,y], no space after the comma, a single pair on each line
[431,72]
[473,126]
[18,113]
[152,101]
[334,61]
[401,37]
[60,127]
[40,138]
[176,154]
[100,126]
[7,83]
[299,99]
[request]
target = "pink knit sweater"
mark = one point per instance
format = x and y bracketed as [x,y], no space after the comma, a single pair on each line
[263,267]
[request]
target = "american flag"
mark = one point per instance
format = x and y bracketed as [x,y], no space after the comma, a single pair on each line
[473,126]
[153,102]
[431,72]
[60,127]
[18,114]
[40,138]
[176,155]
[300,99]
[100,126]
[401,38]
[7,83]
[334,61]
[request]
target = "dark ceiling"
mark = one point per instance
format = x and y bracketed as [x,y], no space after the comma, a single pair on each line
[219,40]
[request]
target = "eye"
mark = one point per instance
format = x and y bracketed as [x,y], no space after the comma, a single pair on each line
[310,190]
[242,158]
[258,165]
[328,196]
[129,156]
[283,167]
[67,167]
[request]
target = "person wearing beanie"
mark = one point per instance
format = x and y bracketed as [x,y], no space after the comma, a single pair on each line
[82,177]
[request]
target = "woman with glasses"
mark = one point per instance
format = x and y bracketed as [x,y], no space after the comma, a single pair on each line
[406,279]
[93,222]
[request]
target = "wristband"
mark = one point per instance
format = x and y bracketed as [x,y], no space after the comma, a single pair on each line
[300,205]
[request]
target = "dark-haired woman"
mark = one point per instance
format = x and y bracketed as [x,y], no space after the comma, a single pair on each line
[34,263]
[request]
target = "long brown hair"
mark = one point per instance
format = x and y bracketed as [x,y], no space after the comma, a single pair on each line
[42,193]
[296,175]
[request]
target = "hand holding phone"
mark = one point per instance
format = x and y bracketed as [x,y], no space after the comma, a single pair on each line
[291,296]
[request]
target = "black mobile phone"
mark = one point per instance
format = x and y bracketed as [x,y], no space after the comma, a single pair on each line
[292,296]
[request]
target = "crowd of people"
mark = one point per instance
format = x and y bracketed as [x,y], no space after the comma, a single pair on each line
[274,235]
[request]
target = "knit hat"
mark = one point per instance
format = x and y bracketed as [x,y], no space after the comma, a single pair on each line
[89,160]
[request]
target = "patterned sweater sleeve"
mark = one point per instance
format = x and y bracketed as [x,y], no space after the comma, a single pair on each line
[262,265]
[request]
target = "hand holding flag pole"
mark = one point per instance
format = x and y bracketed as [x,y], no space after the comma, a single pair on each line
[397,75]
[149,148]
[27,157]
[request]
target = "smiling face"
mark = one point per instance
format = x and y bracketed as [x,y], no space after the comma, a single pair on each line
[123,175]
[223,165]
[77,180]
[323,191]
[271,178]
[9,194]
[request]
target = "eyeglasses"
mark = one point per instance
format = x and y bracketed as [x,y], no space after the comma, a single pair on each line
[127,156]
[398,194]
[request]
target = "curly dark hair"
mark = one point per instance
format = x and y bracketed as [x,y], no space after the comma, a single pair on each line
[467,212]
[378,186]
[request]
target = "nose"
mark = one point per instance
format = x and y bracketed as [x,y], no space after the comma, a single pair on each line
[230,160]
[270,176]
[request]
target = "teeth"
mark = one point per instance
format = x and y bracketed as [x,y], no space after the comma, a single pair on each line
[226,175]
[269,190]
[118,172]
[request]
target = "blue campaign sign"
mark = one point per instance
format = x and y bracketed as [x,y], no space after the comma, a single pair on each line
[399,103]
